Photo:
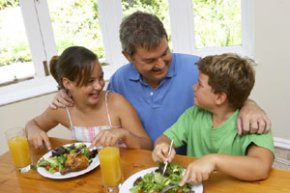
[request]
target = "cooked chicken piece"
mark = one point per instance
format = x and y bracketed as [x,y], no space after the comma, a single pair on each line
[75,162]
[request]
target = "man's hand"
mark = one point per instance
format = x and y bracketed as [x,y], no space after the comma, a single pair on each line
[61,100]
[252,119]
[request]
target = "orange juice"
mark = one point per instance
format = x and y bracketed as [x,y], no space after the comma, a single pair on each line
[19,151]
[110,166]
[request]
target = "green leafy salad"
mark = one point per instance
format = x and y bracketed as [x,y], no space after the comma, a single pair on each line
[154,182]
[61,157]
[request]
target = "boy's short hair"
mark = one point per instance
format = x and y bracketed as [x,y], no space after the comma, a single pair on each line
[231,74]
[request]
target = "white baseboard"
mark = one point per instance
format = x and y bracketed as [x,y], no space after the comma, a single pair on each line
[282,143]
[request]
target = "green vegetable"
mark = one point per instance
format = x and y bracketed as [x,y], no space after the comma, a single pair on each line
[56,162]
[155,181]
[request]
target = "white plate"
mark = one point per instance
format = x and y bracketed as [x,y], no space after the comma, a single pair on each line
[42,171]
[125,188]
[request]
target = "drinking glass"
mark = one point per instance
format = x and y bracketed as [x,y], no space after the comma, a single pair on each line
[18,148]
[111,168]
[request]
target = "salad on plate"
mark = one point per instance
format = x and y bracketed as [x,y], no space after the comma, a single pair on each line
[154,181]
[68,158]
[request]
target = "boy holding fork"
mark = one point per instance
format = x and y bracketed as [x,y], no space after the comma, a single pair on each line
[209,128]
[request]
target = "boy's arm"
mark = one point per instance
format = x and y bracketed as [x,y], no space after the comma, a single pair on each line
[255,166]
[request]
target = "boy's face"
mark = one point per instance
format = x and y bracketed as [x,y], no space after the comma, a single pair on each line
[204,97]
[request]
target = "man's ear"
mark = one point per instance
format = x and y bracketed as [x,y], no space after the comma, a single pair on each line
[221,98]
[66,83]
[128,56]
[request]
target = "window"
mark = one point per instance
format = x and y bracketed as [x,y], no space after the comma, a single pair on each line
[15,57]
[217,23]
[188,28]
[184,21]
[79,22]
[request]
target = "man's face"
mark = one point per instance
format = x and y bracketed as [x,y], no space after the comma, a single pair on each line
[153,65]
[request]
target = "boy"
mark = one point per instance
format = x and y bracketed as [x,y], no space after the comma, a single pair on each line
[209,128]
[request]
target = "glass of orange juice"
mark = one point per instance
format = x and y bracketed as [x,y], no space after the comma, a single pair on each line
[111,168]
[19,148]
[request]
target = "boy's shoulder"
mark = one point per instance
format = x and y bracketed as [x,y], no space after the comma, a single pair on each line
[195,111]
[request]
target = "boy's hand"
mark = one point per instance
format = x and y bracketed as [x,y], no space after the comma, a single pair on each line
[199,170]
[160,153]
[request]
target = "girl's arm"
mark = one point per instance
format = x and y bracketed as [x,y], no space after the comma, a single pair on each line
[136,136]
[37,128]
[131,131]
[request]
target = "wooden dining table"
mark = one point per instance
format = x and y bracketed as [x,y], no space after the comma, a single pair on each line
[132,160]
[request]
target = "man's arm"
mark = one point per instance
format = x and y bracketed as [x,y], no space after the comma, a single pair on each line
[253,119]
[61,100]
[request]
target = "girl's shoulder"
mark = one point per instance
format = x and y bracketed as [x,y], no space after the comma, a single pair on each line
[113,97]
[116,100]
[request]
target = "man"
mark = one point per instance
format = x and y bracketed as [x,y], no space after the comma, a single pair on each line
[158,82]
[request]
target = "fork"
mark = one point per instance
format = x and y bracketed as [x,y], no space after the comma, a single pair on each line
[168,187]
[166,163]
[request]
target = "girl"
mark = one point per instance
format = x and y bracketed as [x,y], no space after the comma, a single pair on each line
[100,117]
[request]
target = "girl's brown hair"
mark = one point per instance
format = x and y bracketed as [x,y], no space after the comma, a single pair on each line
[75,63]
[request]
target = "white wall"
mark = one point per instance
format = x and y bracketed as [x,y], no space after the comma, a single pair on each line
[272,52]
[17,114]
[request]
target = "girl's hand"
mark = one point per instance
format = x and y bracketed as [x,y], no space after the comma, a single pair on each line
[38,138]
[109,137]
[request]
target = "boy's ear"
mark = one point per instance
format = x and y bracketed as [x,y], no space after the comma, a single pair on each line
[221,98]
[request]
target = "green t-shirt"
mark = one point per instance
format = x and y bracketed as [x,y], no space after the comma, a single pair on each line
[194,128]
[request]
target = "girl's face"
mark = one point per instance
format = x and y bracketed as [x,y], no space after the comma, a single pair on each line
[203,95]
[90,93]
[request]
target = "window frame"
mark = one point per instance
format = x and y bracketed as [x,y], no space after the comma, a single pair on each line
[42,43]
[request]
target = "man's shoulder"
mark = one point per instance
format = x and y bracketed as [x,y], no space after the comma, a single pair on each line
[185,62]
[186,57]
[124,72]
[184,66]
